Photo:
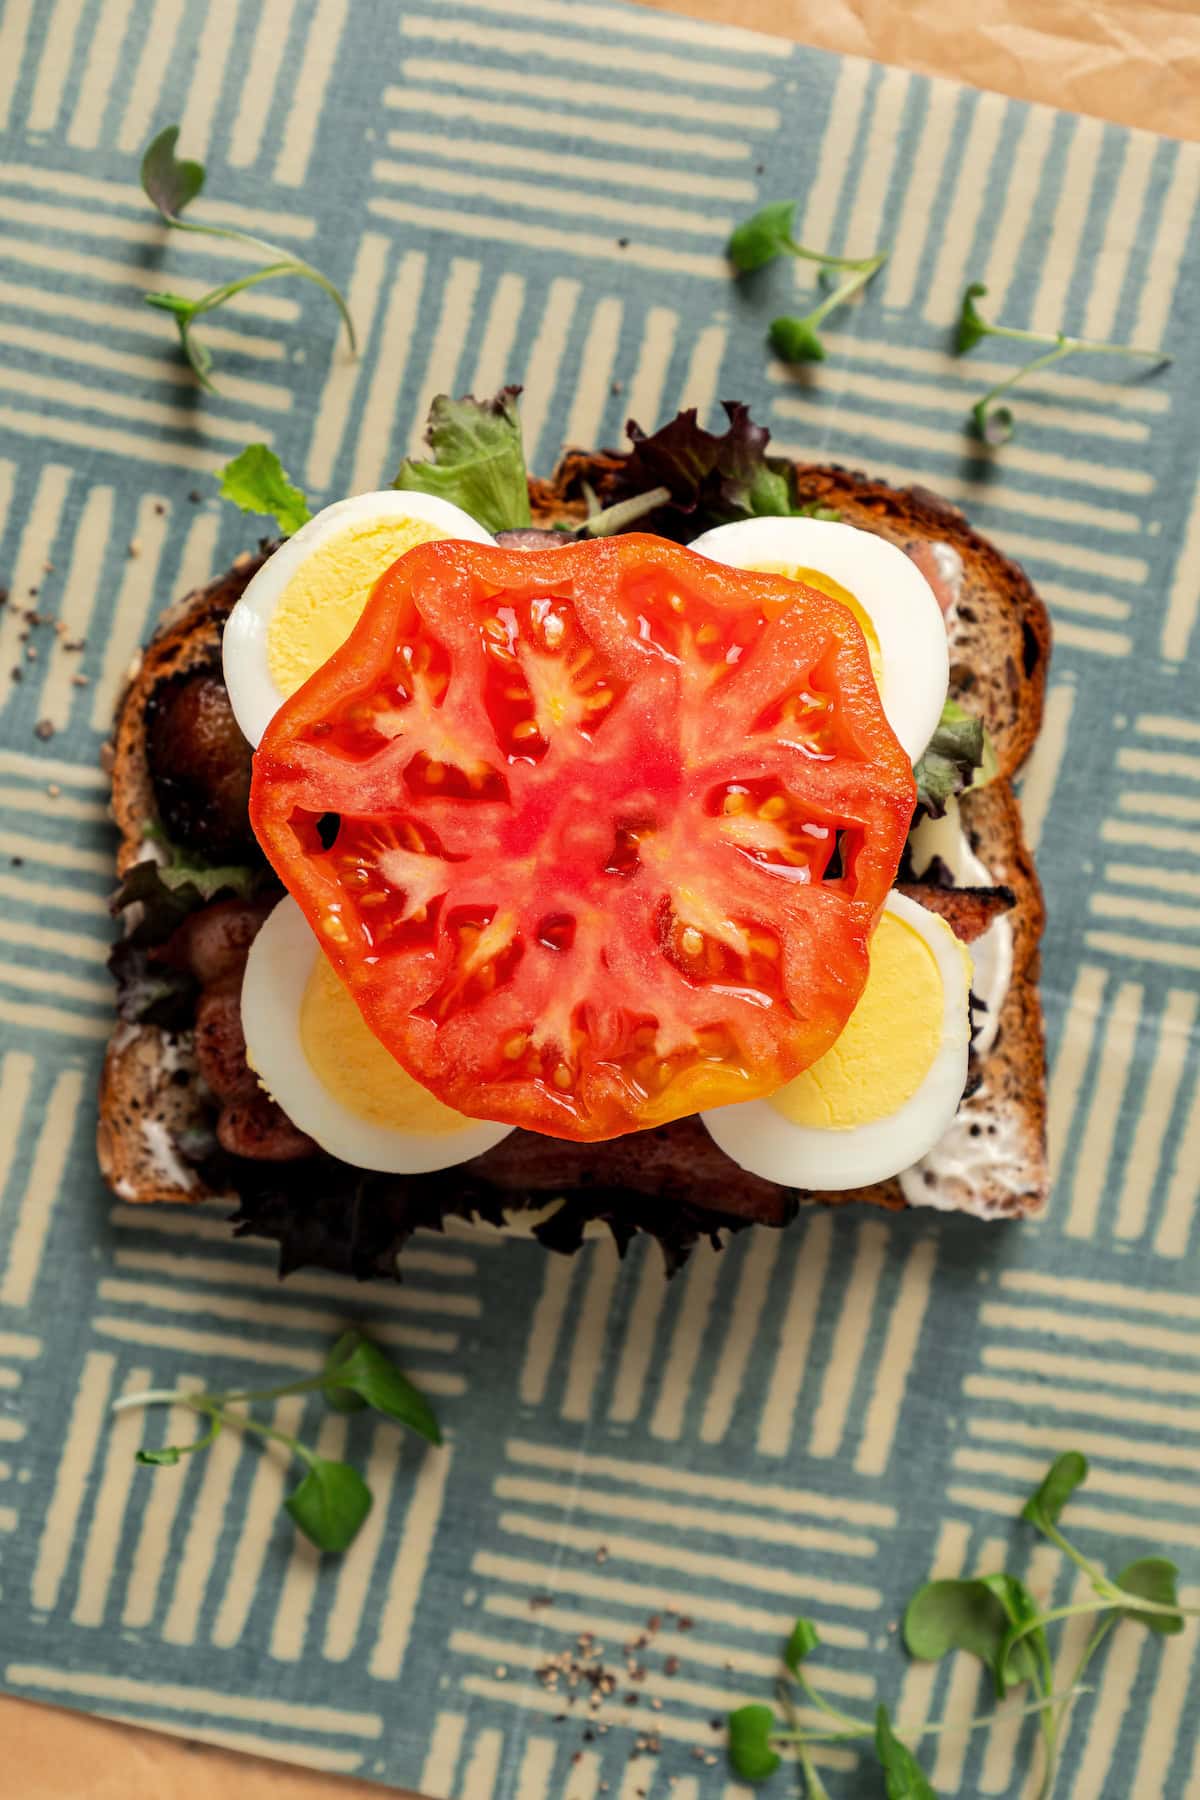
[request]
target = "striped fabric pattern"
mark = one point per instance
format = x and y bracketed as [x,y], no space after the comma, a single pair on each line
[810,1421]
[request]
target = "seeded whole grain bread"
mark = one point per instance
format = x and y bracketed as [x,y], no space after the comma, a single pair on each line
[673,1182]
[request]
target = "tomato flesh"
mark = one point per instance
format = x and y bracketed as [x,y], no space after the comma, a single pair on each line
[596,836]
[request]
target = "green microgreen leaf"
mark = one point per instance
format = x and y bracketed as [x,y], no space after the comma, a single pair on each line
[904,1779]
[330,1505]
[802,1642]
[816,509]
[994,424]
[1044,1506]
[760,239]
[358,1367]
[796,340]
[1153,1578]
[971,326]
[767,234]
[975,1615]
[343,1400]
[170,183]
[478,459]
[1013,1662]
[750,1731]
[166,1458]
[257,482]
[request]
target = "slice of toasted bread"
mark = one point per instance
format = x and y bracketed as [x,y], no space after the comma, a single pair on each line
[673,1182]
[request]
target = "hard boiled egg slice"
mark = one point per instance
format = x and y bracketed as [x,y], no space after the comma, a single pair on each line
[890,1084]
[306,599]
[314,1053]
[884,589]
[991,954]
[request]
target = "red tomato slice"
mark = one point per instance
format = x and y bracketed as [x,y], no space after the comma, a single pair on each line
[596,836]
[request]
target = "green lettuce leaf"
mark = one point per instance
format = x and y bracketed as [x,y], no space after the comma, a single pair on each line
[257,481]
[952,759]
[168,891]
[478,459]
[712,477]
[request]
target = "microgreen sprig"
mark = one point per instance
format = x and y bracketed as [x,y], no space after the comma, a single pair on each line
[994,424]
[768,234]
[756,1736]
[332,1501]
[171,183]
[995,1618]
[1010,1638]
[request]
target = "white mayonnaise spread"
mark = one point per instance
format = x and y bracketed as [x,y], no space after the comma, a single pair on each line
[942,567]
[978,1164]
[949,566]
[981,1156]
[177,1051]
[164,1157]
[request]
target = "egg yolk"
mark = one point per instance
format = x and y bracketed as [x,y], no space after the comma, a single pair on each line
[890,1041]
[323,601]
[348,1059]
[825,584]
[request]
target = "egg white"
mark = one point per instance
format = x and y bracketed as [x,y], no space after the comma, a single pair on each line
[278,967]
[992,954]
[253,690]
[888,586]
[760,1139]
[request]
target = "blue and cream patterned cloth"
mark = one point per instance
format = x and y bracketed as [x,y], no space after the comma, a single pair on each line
[809,1421]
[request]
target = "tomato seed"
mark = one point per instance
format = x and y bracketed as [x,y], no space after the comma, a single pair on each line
[562,1077]
[692,942]
[516,1046]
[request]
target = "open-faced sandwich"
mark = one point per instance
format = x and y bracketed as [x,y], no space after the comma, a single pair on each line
[636,846]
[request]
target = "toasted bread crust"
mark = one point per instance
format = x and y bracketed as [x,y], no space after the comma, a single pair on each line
[148,1076]
[188,637]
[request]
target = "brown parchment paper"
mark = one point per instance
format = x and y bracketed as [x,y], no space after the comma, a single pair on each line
[1136,62]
